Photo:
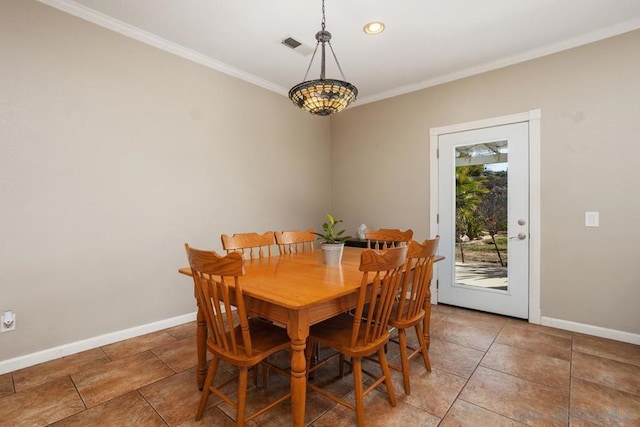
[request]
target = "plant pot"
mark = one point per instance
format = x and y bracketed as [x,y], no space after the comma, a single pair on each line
[332,253]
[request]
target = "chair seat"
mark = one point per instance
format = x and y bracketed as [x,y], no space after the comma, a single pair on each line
[266,339]
[336,332]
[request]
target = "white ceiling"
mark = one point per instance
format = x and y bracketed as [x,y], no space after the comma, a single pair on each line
[426,42]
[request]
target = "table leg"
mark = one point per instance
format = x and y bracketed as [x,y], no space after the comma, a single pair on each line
[427,320]
[298,330]
[201,346]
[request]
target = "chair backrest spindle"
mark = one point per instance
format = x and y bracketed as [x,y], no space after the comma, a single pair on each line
[416,279]
[387,238]
[380,280]
[219,292]
[250,245]
[293,242]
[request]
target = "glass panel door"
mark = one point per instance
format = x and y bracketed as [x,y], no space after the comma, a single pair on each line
[483,179]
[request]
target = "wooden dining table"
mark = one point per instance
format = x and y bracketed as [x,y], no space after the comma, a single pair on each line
[297,290]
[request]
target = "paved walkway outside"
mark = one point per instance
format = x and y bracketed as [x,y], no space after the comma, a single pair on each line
[485,275]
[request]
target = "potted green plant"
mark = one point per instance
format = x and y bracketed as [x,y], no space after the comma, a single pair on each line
[333,241]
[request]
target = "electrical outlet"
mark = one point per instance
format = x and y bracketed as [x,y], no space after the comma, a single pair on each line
[7,321]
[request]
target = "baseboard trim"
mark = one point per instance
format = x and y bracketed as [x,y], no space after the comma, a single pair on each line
[27,360]
[32,359]
[535,315]
[597,331]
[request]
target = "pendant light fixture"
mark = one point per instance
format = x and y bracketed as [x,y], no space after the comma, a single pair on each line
[323,96]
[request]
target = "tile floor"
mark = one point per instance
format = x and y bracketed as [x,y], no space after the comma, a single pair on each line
[488,370]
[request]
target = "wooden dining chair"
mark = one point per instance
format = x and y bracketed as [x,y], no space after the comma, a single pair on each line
[387,238]
[293,242]
[218,286]
[251,245]
[414,304]
[364,333]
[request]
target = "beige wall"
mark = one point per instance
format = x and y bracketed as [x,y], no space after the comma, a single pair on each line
[590,102]
[112,155]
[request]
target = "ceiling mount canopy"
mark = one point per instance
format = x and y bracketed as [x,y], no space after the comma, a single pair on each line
[323,96]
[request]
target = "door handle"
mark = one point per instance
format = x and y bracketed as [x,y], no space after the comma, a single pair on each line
[520,236]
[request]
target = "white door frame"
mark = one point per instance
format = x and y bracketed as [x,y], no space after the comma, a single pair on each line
[533,117]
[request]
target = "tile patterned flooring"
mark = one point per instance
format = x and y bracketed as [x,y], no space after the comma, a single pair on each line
[488,370]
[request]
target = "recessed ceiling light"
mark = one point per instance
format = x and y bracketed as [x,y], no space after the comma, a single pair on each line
[374,28]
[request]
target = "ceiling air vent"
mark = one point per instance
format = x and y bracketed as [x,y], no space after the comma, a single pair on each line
[291,42]
[296,46]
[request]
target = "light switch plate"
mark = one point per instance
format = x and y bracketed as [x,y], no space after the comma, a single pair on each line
[592,219]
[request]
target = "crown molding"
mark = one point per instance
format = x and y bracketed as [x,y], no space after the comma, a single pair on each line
[136,33]
[127,30]
[571,43]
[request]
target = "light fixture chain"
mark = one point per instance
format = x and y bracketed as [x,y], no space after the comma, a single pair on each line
[311,62]
[323,18]
[337,62]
